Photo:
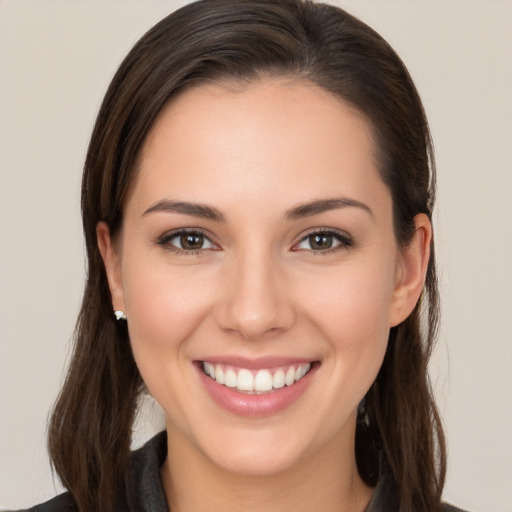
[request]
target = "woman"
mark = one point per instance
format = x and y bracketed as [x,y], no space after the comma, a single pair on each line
[257,202]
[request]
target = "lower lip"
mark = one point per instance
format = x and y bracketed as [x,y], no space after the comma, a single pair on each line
[266,404]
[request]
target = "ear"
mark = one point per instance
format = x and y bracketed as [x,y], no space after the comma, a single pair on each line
[411,271]
[112,261]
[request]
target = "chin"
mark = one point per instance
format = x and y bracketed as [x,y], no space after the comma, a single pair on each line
[258,460]
[262,450]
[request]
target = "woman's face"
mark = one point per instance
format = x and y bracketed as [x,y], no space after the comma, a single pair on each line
[257,246]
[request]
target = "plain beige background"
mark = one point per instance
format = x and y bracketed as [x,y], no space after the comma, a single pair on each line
[56,58]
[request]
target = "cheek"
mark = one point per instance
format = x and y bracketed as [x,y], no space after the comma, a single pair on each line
[353,306]
[351,314]
[359,336]
[164,305]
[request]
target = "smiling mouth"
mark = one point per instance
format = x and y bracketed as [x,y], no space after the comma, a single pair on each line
[256,382]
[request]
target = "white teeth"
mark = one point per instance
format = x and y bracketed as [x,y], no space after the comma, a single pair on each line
[209,369]
[245,381]
[259,382]
[219,375]
[278,379]
[290,376]
[230,379]
[263,381]
[304,369]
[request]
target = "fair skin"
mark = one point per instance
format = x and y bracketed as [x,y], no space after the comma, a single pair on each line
[294,262]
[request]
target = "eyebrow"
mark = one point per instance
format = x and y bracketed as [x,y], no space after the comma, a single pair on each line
[298,212]
[323,205]
[194,209]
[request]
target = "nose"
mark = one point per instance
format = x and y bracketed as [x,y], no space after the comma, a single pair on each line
[257,300]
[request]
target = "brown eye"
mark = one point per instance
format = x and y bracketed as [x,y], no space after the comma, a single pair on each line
[323,241]
[187,241]
[319,242]
[191,241]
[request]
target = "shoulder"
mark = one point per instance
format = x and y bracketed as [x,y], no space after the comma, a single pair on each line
[61,503]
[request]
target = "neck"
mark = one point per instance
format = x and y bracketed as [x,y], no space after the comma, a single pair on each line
[327,481]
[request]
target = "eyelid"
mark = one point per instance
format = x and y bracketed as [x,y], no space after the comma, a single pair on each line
[346,241]
[163,240]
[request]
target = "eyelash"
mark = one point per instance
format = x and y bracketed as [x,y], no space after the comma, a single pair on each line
[345,241]
[166,238]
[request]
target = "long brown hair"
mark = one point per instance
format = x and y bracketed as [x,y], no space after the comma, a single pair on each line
[243,40]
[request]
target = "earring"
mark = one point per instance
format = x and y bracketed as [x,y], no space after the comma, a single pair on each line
[120,315]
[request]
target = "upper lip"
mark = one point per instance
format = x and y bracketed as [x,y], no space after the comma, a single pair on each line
[257,362]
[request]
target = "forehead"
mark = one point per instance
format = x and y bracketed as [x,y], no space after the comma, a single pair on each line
[247,106]
[256,140]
